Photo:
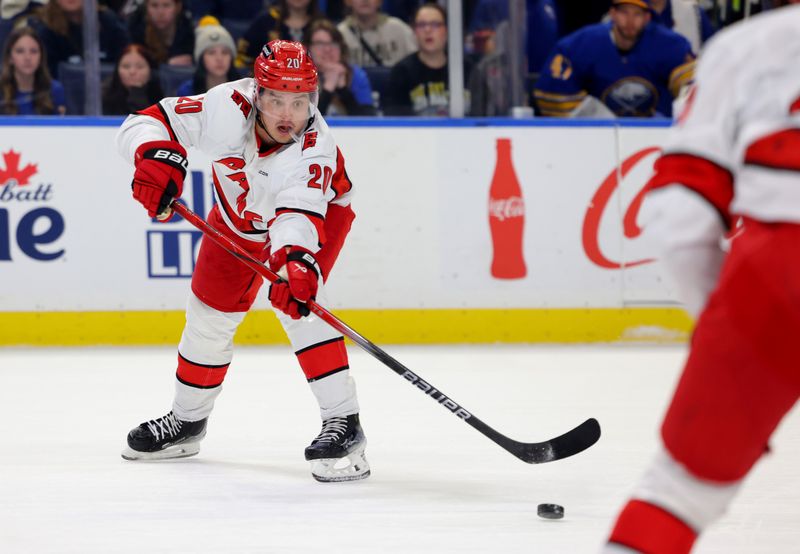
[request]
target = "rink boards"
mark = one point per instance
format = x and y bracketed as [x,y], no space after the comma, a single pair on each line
[81,264]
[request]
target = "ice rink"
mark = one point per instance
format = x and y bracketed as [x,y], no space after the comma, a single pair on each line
[437,485]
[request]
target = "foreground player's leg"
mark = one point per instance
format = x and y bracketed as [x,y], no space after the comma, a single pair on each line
[337,452]
[740,380]
[204,354]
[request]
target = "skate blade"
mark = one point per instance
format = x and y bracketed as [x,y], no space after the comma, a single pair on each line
[171,452]
[352,467]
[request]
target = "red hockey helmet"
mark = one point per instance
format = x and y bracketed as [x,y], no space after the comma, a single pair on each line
[285,66]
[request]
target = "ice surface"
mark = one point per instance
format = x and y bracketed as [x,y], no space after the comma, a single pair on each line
[436,486]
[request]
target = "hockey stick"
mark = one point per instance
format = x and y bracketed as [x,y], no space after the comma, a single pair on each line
[572,442]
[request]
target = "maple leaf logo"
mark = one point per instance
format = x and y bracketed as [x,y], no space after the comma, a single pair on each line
[12,172]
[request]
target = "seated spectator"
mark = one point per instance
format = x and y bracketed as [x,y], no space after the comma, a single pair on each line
[542,29]
[214,52]
[630,67]
[419,83]
[685,18]
[374,38]
[60,25]
[490,82]
[15,9]
[345,88]
[166,30]
[134,85]
[288,20]
[26,87]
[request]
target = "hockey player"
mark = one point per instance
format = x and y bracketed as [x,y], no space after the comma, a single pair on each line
[282,194]
[636,69]
[735,153]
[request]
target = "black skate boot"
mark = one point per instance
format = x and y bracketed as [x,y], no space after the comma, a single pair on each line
[164,438]
[337,454]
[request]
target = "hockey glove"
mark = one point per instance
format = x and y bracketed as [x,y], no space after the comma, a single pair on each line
[301,273]
[160,170]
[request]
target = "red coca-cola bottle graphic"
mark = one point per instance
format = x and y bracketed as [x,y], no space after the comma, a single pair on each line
[506,217]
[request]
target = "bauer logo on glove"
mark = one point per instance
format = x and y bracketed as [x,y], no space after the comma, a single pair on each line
[171,156]
[160,170]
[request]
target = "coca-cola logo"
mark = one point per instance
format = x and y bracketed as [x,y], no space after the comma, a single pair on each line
[597,209]
[506,208]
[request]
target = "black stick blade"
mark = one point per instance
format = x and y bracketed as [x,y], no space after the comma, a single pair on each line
[570,443]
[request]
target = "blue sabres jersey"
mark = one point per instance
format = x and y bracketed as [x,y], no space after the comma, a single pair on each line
[639,83]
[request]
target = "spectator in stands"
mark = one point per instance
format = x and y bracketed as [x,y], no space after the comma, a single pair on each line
[685,18]
[214,52]
[374,38]
[26,87]
[345,88]
[166,30]
[490,82]
[14,9]
[419,83]
[60,25]
[288,20]
[542,30]
[625,67]
[134,84]
[10,12]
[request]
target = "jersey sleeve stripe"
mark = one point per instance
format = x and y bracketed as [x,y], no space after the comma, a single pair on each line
[711,181]
[780,150]
[309,213]
[156,111]
[557,106]
[543,95]
[680,76]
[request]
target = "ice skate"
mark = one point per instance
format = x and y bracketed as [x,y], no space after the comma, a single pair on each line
[337,453]
[164,438]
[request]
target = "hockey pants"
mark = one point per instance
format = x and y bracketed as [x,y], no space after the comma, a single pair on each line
[223,290]
[741,378]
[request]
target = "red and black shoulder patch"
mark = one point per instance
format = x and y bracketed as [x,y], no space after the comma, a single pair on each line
[244,105]
[309,139]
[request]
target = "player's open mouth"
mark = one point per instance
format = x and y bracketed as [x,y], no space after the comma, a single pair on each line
[285,129]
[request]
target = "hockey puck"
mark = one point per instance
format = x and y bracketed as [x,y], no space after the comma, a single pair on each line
[550,511]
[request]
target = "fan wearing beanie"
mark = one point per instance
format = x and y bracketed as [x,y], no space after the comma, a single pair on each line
[214,52]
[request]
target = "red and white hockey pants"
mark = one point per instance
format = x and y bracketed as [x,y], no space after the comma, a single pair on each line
[741,378]
[223,290]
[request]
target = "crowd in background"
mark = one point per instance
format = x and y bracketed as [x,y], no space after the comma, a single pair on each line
[375,57]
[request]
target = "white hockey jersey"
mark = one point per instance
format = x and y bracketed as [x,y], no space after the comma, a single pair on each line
[735,150]
[744,117]
[280,192]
